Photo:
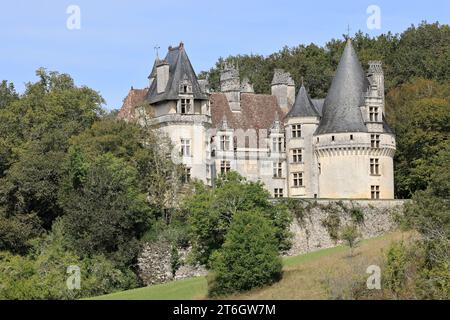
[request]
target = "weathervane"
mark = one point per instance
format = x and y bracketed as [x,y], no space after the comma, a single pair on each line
[157,51]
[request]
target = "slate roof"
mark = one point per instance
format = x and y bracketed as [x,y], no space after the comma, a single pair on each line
[318,104]
[180,68]
[303,106]
[258,111]
[341,112]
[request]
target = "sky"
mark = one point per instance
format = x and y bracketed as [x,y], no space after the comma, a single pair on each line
[111,47]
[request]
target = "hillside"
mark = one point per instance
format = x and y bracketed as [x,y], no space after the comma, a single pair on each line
[305,277]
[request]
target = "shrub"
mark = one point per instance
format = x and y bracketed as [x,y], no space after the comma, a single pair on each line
[249,257]
[211,211]
[43,273]
[350,235]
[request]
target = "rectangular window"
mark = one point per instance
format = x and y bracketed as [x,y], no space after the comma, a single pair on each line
[296,131]
[185,147]
[225,143]
[278,193]
[375,192]
[297,156]
[375,140]
[186,175]
[373,114]
[185,105]
[225,167]
[277,144]
[277,169]
[374,167]
[298,179]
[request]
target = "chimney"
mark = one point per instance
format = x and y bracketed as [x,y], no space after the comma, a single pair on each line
[230,84]
[377,75]
[283,88]
[162,76]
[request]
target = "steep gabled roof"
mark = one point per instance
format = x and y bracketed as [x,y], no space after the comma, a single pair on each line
[180,68]
[134,98]
[303,106]
[341,112]
[258,111]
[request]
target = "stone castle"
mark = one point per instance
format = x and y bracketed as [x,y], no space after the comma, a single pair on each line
[339,147]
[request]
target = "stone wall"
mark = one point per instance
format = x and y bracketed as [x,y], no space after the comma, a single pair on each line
[311,235]
[154,262]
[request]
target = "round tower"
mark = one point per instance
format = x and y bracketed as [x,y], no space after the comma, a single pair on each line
[353,144]
[300,124]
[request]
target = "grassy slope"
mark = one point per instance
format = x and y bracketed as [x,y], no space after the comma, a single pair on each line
[303,278]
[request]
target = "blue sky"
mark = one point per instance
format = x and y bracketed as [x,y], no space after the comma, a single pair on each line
[114,48]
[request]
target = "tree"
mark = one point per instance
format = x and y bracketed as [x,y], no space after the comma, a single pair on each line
[106,214]
[249,257]
[350,235]
[210,212]
[35,130]
[419,113]
[43,274]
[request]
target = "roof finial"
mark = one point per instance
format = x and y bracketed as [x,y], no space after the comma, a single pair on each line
[157,51]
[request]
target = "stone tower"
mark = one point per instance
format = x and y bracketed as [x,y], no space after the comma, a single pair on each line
[353,143]
[283,88]
[300,124]
[230,84]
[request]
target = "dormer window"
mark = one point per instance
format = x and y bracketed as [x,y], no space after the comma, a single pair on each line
[373,114]
[224,143]
[185,88]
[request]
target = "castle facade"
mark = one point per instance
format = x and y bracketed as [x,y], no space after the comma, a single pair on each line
[339,147]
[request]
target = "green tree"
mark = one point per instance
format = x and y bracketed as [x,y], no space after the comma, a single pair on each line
[43,273]
[35,130]
[249,257]
[107,214]
[210,212]
[350,234]
[419,113]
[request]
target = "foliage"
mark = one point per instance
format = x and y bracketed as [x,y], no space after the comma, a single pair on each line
[34,131]
[210,212]
[350,235]
[420,51]
[16,232]
[107,213]
[249,256]
[175,260]
[332,223]
[43,274]
[419,113]
[395,269]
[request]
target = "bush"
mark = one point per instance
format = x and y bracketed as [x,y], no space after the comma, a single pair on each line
[43,273]
[211,211]
[350,235]
[249,257]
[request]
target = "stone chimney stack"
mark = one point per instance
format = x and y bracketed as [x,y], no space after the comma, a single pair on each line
[283,88]
[230,84]
[162,76]
[247,86]
[377,75]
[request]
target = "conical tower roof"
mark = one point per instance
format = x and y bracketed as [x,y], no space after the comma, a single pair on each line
[341,112]
[303,106]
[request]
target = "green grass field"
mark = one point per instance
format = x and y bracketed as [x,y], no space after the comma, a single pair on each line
[303,276]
